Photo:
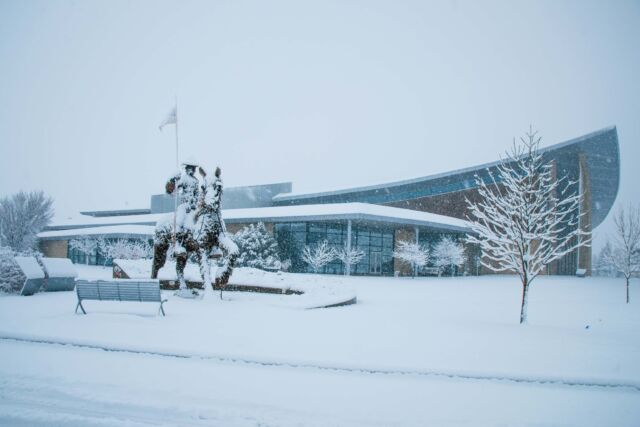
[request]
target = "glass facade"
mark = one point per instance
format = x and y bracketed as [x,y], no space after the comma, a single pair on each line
[376,243]
[96,257]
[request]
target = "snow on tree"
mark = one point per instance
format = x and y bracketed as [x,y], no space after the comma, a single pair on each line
[602,265]
[86,245]
[412,253]
[125,249]
[318,256]
[624,255]
[526,218]
[258,248]
[22,216]
[448,253]
[285,265]
[11,276]
[349,257]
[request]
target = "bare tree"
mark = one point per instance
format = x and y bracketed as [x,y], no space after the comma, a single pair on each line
[22,217]
[125,249]
[624,254]
[349,257]
[448,253]
[526,218]
[412,253]
[86,245]
[318,256]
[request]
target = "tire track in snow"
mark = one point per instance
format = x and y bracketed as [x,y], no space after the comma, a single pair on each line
[347,369]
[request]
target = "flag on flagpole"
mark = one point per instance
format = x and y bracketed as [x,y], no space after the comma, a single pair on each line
[171,119]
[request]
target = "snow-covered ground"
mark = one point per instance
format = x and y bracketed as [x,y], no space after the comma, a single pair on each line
[432,351]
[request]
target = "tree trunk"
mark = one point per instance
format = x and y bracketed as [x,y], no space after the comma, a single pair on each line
[523,306]
[627,290]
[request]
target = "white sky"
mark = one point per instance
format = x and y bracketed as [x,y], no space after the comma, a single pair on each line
[325,94]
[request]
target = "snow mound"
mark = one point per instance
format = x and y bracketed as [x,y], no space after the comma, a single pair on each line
[59,267]
[298,290]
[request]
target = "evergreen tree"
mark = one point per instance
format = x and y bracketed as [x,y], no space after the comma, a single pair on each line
[258,248]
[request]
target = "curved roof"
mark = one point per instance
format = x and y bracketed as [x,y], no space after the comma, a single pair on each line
[599,148]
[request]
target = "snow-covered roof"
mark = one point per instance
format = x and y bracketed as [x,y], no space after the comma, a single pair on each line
[600,149]
[143,224]
[115,231]
[342,211]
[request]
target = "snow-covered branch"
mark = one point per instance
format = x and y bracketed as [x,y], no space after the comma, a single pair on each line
[22,217]
[318,256]
[125,249]
[526,218]
[624,253]
[448,253]
[412,253]
[86,245]
[349,257]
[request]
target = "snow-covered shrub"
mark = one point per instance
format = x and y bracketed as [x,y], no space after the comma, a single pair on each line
[86,245]
[126,249]
[285,265]
[318,256]
[525,218]
[602,265]
[413,254]
[22,217]
[11,276]
[448,253]
[349,257]
[258,248]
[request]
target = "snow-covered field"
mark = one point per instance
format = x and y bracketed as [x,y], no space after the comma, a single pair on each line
[432,351]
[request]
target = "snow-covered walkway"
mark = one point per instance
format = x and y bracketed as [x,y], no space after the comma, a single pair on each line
[66,386]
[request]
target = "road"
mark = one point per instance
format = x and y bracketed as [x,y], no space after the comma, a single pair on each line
[44,385]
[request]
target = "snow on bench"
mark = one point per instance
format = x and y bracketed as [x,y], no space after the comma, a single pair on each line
[34,276]
[147,290]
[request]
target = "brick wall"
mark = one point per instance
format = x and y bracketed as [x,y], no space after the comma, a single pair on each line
[54,248]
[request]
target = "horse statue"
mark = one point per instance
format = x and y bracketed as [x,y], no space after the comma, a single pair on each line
[203,239]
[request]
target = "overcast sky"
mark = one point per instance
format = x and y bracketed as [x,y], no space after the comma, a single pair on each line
[325,94]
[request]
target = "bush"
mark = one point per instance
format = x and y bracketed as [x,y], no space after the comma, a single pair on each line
[11,276]
[258,249]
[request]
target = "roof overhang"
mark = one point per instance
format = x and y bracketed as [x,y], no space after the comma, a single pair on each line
[600,148]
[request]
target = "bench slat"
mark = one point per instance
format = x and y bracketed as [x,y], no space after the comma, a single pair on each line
[144,291]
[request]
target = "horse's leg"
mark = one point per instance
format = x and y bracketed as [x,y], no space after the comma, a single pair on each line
[160,248]
[205,267]
[231,254]
[181,262]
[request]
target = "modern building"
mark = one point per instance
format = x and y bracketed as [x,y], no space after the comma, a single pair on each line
[372,218]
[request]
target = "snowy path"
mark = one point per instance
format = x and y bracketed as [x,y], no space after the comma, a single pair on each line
[71,386]
[557,381]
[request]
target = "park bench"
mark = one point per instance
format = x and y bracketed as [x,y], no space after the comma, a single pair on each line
[146,290]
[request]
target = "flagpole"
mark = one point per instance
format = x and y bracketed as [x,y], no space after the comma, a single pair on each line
[175,198]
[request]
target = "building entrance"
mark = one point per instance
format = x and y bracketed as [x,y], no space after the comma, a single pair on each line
[375,263]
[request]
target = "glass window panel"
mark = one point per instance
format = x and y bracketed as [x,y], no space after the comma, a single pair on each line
[317,227]
[363,239]
[299,226]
